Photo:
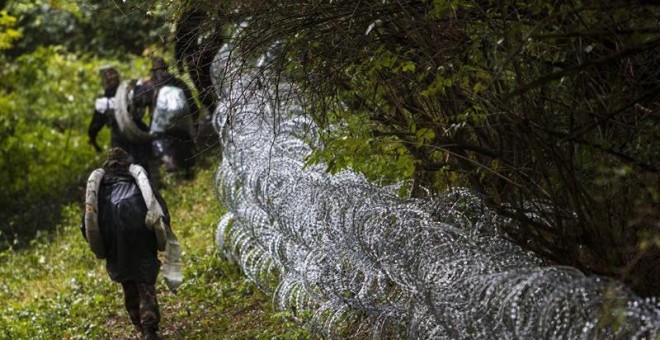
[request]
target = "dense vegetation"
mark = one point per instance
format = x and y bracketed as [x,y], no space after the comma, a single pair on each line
[547,110]
[47,86]
[52,287]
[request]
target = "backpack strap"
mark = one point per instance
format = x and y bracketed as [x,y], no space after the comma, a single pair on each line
[124,119]
[92,231]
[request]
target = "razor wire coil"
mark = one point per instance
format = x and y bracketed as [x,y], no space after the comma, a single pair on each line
[366,262]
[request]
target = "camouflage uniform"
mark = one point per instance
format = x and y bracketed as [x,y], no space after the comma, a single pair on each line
[142,306]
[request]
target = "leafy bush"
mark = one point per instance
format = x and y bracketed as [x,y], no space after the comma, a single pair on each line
[116,29]
[45,107]
[9,33]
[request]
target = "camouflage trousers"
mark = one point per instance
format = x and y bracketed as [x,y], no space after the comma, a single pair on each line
[142,305]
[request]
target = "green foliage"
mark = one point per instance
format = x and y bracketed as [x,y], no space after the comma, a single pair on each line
[45,107]
[351,144]
[8,34]
[99,27]
[56,289]
[548,110]
[52,286]
[47,88]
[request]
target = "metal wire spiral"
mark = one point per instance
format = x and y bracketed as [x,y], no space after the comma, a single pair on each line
[365,262]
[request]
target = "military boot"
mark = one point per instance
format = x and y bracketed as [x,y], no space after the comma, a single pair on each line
[150,334]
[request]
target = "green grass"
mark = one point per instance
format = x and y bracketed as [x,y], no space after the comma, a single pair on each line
[56,289]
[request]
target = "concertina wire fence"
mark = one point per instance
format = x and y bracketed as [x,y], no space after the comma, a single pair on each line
[361,261]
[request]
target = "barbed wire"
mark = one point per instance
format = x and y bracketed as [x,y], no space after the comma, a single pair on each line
[362,261]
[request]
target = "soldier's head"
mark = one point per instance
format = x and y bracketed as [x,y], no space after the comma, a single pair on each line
[159,70]
[118,158]
[109,77]
[142,93]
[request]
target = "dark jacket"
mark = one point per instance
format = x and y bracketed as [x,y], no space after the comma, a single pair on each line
[131,252]
[139,151]
[171,80]
[177,143]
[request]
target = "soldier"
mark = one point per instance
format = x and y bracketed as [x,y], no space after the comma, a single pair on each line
[130,248]
[174,114]
[104,115]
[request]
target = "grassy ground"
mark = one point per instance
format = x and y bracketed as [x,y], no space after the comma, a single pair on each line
[56,289]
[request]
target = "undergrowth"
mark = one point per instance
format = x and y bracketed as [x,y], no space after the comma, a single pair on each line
[56,289]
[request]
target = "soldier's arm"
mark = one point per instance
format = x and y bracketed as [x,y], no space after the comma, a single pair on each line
[98,120]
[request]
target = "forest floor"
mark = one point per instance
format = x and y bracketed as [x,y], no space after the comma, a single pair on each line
[57,289]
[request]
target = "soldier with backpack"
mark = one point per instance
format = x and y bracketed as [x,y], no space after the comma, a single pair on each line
[126,222]
[173,120]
